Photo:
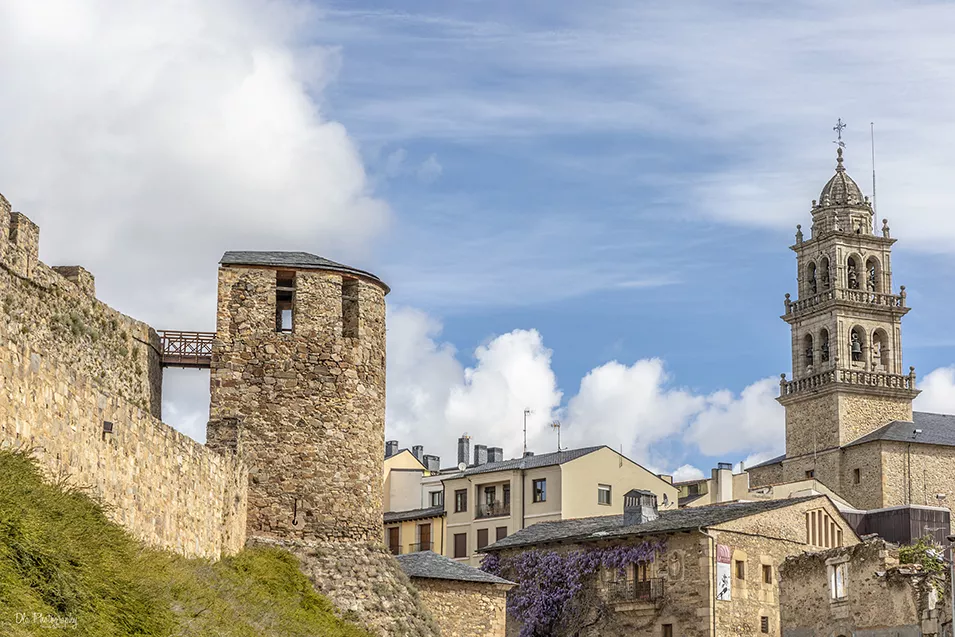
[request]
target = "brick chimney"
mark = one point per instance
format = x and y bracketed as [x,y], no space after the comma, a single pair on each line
[480,455]
[639,507]
[391,448]
[495,454]
[418,452]
[464,449]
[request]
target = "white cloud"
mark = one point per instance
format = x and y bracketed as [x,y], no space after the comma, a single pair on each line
[166,133]
[430,169]
[938,392]
[433,399]
[687,472]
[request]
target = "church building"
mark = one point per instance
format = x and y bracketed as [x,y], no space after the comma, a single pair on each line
[849,418]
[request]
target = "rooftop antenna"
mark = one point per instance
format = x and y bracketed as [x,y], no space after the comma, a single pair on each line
[556,425]
[872,138]
[527,411]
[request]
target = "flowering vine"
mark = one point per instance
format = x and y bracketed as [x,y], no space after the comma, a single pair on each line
[549,582]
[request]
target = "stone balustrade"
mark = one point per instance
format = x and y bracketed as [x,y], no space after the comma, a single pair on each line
[847,377]
[844,294]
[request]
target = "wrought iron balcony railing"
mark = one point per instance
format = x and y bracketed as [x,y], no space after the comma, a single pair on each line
[493,510]
[650,590]
[420,546]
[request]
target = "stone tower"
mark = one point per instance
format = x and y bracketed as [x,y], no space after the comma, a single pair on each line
[847,372]
[298,389]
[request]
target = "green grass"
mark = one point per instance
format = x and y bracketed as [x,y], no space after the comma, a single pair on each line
[61,558]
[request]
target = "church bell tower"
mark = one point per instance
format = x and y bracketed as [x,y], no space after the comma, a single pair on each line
[848,377]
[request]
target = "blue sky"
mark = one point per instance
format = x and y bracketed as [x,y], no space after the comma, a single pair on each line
[581,208]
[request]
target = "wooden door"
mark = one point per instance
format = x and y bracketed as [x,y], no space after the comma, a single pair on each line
[424,537]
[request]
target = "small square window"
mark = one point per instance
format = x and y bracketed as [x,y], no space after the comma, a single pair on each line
[856,476]
[740,569]
[764,624]
[603,494]
[810,474]
[767,574]
[500,533]
[540,490]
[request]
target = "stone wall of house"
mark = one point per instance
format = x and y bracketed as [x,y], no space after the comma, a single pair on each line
[915,474]
[861,414]
[882,599]
[69,363]
[465,609]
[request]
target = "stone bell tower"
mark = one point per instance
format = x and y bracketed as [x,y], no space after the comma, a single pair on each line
[847,373]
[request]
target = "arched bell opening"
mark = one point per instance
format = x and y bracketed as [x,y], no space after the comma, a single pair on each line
[881,354]
[873,275]
[857,345]
[808,353]
[811,283]
[824,346]
[852,273]
[824,273]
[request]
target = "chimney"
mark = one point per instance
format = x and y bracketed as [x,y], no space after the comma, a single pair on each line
[639,507]
[464,449]
[431,463]
[528,454]
[480,455]
[723,482]
[495,454]
[418,452]
[391,448]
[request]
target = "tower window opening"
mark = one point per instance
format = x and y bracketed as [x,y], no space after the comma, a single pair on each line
[856,344]
[824,346]
[880,350]
[852,273]
[807,349]
[872,275]
[284,301]
[350,308]
[824,272]
[811,277]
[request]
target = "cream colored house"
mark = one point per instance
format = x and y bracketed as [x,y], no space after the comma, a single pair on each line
[414,517]
[488,502]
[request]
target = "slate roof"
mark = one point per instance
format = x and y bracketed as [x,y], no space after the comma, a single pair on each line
[532,462]
[936,429]
[429,564]
[301,260]
[611,526]
[413,514]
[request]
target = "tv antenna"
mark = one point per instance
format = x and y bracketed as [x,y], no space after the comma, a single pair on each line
[872,138]
[556,425]
[527,412]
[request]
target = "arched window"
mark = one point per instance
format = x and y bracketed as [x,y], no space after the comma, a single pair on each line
[852,273]
[811,277]
[873,275]
[807,350]
[857,345]
[824,272]
[824,345]
[880,350]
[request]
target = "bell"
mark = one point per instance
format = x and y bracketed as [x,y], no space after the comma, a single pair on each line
[856,347]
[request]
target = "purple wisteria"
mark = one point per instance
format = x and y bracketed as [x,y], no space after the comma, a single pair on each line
[549,581]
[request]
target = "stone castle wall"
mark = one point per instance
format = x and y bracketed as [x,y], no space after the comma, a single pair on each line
[69,363]
[465,609]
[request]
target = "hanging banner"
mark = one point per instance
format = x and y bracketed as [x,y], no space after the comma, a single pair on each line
[724,581]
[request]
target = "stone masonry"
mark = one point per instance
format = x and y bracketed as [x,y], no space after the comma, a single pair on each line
[465,609]
[69,364]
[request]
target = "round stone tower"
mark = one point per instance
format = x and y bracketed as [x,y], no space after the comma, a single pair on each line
[298,390]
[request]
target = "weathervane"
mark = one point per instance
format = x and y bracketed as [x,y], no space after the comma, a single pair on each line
[839,127]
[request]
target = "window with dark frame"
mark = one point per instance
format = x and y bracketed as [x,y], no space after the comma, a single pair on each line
[394,543]
[482,538]
[540,490]
[856,476]
[767,574]
[764,624]
[810,474]
[460,500]
[460,545]
[603,494]
[437,498]
[667,630]
[284,301]
[740,569]
[500,533]
[507,495]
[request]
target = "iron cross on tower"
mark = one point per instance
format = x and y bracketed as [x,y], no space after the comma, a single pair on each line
[839,127]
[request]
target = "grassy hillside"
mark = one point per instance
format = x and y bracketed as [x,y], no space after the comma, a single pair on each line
[65,569]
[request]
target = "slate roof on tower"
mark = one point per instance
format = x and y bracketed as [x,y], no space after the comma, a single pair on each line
[295,260]
[925,428]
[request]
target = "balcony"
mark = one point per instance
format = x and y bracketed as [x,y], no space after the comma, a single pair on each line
[650,590]
[859,297]
[847,377]
[493,510]
[420,546]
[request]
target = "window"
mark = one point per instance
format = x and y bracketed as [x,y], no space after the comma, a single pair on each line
[507,496]
[856,476]
[460,545]
[460,500]
[500,533]
[424,537]
[437,498]
[838,574]
[540,490]
[810,474]
[603,494]
[394,543]
[350,308]
[641,571]
[693,489]
[740,569]
[490,495]
[667,630]
[284,300]
[764,624]
[482,538]
[822,530]
[767,574]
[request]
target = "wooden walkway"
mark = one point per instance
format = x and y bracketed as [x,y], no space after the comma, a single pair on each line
[186,349]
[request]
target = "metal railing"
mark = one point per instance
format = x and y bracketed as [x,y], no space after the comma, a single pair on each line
[493,510]
[420,546]
[650,590]
[186,349]
[848,377]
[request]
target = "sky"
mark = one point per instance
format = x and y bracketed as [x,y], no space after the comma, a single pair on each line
[582,209]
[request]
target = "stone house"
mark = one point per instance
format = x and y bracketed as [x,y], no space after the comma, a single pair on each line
[464,601]
[489,501]
[860,590]
[713,570]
